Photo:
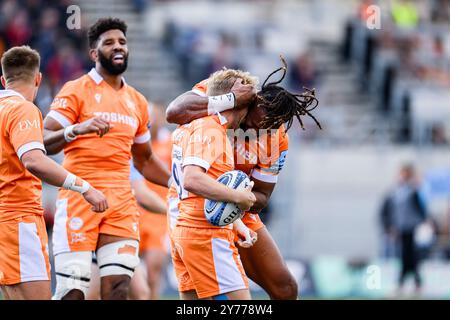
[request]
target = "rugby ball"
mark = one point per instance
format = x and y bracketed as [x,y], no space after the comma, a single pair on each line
[219,213]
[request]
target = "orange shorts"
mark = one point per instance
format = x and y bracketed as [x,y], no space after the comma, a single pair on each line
[207,261]
[23,250]
[77,227]
[252,221]
[153,232]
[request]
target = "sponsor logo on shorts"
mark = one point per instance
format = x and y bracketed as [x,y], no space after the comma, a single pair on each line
[127,249]
[75,223]
[183,278]
[77,237]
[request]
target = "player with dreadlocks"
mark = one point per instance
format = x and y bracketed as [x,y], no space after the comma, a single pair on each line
[282,106]
[270,108]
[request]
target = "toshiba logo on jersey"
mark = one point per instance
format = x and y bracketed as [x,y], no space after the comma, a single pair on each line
[117,118]
[27,125]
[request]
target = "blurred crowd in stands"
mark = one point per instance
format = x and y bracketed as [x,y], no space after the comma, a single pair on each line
[202,51]
[405,64]
[42,25]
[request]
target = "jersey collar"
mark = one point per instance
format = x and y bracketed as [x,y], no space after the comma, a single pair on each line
[98,78]
[10,93]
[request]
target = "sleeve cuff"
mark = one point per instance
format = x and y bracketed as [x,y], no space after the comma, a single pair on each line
[199,92]
[269,178]
[197,162]
[30,146]
[143,138]
[60,118]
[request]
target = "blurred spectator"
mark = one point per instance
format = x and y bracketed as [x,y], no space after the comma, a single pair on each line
[304,72]
[18,31]
[438,136]
[224,55]
[440,12]
[42,25]
[64,65]
[401,213]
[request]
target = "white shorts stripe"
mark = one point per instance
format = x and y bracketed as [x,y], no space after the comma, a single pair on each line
[173,211]
[32,260]
[228,275]
[59,237]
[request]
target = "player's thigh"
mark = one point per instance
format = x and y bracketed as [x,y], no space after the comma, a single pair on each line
[263,262]
[155,260]
[237,295]
[117,259]
[33,290]
[139,289]
[188,295]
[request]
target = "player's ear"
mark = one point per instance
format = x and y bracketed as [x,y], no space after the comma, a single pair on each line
[93,54]
[2,79]
[38,79]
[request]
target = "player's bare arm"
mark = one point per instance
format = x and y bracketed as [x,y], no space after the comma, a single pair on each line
[149,165]
[190,106]
[262,191]
[50,172]
[147,198]
[56,137]
[198,182]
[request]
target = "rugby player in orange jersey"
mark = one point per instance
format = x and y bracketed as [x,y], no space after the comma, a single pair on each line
[24,261]
[152,224]
[101,122]
[205,257]
[275,106]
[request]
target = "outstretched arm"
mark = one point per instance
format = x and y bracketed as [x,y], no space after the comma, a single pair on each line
[187,107]
[52,173]
[147,198]
[190,105]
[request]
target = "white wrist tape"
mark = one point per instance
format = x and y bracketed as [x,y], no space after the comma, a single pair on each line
[68,133]
[221,103]
[69,184]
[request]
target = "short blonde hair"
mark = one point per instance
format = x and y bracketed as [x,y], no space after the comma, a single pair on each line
[221,82]
[20,64]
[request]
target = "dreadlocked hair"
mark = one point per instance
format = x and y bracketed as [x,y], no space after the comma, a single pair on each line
[282,106]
